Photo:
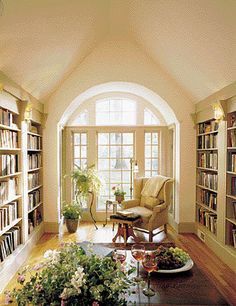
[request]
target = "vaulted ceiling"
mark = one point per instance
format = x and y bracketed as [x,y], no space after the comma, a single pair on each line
[194,41]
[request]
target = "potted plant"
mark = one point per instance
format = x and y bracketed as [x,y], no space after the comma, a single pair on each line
[119,193]
[87,184]
[72,214]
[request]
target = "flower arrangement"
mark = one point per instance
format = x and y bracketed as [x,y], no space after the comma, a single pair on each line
[118,191]
[70,277]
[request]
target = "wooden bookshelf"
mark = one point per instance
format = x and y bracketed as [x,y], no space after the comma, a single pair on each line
[207,176]
[11,208]
[230,209]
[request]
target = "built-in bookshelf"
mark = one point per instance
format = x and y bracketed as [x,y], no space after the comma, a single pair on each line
[207,175]
[10,183]
[230,221]
[34,169]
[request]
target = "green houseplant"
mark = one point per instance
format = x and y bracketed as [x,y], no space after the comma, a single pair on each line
[87,185]
[119,193]
[72,214]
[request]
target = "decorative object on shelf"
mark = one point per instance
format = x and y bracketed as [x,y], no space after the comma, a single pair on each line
[28,112]
[218,111]
[87,184]
[74,283]
[72,214]
[118,193]
[133,170]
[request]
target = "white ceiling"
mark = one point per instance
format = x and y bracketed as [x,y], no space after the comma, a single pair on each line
[42,41]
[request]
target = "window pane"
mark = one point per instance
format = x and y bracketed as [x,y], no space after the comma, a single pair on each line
[147,173]
[103,164]
[155,164]
[151,153]
[128,151]
[103,151]
[83,139]
[128,138]
[148,138]
[77,152]
[154,151]
[115,138]
[148,164]
[148,151]
[76,139]
[103,138]
[126,177]
[102,106]
[115,177]
[83,151]
[77,162]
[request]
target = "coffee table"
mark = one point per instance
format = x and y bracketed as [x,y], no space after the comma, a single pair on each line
[125,227]
[191,287]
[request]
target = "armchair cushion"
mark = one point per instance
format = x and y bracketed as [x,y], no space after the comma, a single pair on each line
[130,203]
[143,212]
[150,202]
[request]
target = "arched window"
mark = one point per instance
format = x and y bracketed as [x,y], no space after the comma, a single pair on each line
[112,111]
[150,118]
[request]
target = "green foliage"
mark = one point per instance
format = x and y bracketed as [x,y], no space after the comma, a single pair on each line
[69,277]
[118,191]
[72,211]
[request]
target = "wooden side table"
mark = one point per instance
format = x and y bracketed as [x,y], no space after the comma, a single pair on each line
[114,205]
[125,227]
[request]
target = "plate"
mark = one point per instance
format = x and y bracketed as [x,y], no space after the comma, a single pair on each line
[186,267]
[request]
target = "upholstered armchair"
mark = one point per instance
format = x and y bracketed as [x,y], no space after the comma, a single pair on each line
[153,206]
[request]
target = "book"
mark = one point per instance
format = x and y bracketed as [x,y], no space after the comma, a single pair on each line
[125,213]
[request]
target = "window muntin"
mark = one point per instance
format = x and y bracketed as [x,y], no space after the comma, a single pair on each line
[114,153]
[80,148]
[150,118]
[151,153]
[112,111]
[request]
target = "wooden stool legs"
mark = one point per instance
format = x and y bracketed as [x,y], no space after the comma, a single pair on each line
[125,231]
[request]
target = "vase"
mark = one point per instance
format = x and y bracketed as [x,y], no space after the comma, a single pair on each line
[120,198]
[71,225]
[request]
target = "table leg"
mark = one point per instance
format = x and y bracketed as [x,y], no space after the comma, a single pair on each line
[120,232]
[104,224]
[130,233]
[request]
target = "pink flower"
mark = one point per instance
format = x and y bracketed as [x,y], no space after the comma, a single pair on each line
[8,298]
[95,303]
[38,287]
[21,278]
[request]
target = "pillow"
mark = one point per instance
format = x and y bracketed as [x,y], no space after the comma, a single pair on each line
[150,202]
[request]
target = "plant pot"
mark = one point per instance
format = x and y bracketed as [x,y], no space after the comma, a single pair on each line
[72,225]
[120,198]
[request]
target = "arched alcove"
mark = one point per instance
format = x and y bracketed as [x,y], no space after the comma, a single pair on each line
[141,92]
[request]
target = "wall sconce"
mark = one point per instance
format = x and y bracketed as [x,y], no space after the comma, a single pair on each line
[218,112]
[133,170]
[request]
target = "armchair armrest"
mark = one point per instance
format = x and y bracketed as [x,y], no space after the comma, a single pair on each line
[159,208]
[130,203]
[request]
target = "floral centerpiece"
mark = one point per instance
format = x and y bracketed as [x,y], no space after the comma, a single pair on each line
[118,193]
[70,277]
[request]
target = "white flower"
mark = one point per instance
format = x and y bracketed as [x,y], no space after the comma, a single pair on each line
[66,293]
[51,255]
[78,279]
[48,254]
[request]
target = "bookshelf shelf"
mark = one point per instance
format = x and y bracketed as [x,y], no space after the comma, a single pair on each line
[34,150]
[35,188]
[231,173]
[231,196]
[17,197]
[10,175]
[34,134]
[10,128]
[207,169]
[207,207]
[16,221]
[35,207]
[206,188]
[204,228]
[231,220]
[231,128]
[208,133]
[35,169]
[208,149]
[10,149]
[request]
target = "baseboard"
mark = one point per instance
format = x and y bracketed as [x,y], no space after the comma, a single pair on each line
[187,227]
[51,227]
[10,266]
[226,254]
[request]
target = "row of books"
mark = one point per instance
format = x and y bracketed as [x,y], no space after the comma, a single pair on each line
[232,161]
[234,237]
[232,138]
[33,180]
[233,185]
[34,142]
[208,198]
[8,164]
[208,180]
[207,141]
[207,219]
[8,214]
[8,139]
[35,218]
[34,161]
[8,189]
[7,118]
[34,199]
[9,242]
[208,160]
[207,127]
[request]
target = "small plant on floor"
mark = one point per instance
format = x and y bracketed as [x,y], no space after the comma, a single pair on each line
[69,277]
[72,214]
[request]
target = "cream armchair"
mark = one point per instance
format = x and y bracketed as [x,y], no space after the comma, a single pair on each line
[153,210]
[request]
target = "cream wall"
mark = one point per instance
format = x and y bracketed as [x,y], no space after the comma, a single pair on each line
[121,61]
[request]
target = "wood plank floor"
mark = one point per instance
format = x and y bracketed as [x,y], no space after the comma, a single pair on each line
[219,273]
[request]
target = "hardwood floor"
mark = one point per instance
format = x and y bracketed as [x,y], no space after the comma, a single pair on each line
[219,273]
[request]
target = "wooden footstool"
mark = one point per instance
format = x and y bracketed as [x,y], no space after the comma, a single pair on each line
[125,227]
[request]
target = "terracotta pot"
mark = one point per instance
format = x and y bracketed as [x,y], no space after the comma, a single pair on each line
[72,225]
[120,198]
